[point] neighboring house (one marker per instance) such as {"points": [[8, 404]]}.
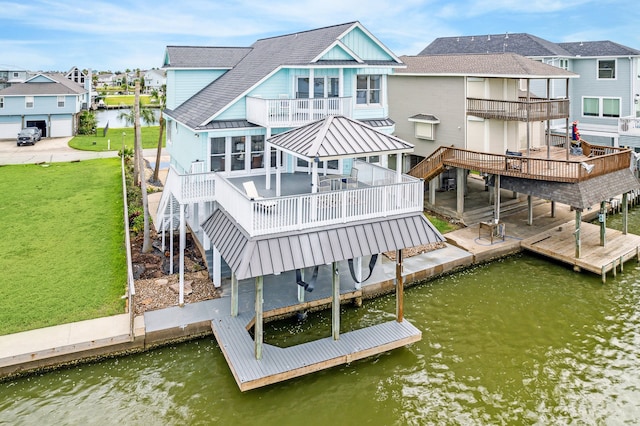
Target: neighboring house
{"points": [[154, 80], [105, 79], [606, 98], [9, 76], [50, 102], [85, 80]]}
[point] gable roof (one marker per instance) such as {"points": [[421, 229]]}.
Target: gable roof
{"points": [[524, 44], [264, 58], [338, 136], [521, 43], [505, 65], [598, 48], [44, 84]]}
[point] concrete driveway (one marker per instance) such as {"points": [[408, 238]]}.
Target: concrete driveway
{"points": [[48, 150]]}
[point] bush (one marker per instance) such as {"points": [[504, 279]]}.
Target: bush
{"points": [[87, 123]]}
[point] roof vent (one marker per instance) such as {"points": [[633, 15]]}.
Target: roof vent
{"points": [[489, 37], [506, 35]]}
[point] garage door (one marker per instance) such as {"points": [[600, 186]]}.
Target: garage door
{"points": [[60, 128], [9, 130]]}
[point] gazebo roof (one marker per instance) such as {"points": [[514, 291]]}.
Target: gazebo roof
{"points": [[338, 137]]}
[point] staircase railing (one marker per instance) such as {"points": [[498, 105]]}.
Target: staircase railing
{"points": [[431, 166]]}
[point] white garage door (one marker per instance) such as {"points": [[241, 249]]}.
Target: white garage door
{"points": [[60, 128], [9, 130]]}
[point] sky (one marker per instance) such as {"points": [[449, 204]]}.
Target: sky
{"points": [[53, 35]]}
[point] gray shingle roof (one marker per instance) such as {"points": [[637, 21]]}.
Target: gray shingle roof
{"points": [[338, 136], [251, 257], [60, 86], [265, 56], [521, 43], [598, 48], [203, 57], [485, 65]]}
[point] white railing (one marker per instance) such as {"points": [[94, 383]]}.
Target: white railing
{"points": [[629, 126], [191, 188], [298, 212], [294, 112]]}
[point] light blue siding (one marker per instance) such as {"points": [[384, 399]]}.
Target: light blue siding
{"points": [[364, 46], [336, 54], [41, 105], [186, 83]]}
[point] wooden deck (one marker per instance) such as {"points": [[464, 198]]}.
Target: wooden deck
{"points": [[559, 243], [279, 364]]}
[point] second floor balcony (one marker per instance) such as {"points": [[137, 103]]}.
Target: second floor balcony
{"points": [[534, 109], [377, 194], [285, 112]]}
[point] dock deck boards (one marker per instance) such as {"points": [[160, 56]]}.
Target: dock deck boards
{"points": [[559, 243], [279, 364]]}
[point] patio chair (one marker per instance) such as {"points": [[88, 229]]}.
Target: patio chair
{"points": [[252, 193], [352, 180]]}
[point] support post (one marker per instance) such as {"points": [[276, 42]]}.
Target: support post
{"points": [[357, 268], [301, 290], [335, 303], [433, 184], [460, 183], [257, 327], [530, 210], [602, 218], [399, 287], [171, 235], [216, 267], [234, 295], [625, 213], [183, 241], [553, 209], [577, 232], [496, 189]]}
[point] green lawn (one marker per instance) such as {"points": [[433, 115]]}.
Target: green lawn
{"points": [[126, 100], [63, 251], [441, 224], [101, 143]]}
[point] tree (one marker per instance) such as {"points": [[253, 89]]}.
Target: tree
{"points": [[129, 117], [161, 97], [87, 123], [146, 244]]}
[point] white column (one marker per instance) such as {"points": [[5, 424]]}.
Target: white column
{"points": [[267, 159], [171, 237], [257, 328], [357, 267], [300, 288], [183, 237], [335, 304], [217, 267], [234, 295]]}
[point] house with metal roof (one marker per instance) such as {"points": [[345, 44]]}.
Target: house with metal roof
{"points": [[282, 160], [606, 98], [50, 102]]}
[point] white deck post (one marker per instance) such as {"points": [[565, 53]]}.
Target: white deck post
{"points": [[257, 328], [234, 295], [357, 266], [335, 304], [399, 287], [460, 187], [217, 267], [577, 232], [496, 198], [625, 213], [300, 288], [183, 238], [267, 160], [171, 237]]}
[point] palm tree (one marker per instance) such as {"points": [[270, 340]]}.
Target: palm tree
{"points": [[161, 97], [129, 117], [146, 244]]}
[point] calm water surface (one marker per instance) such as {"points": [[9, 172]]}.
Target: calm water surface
{"points": [[518, 341]]}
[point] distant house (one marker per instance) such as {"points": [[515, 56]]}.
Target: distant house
{"points": [[50, 102], [154, 80], [606, 98], [8, 76], [105, 79]]}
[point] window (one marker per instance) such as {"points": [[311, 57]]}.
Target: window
{"points": [[16, 75], [237, 153], [217, 154], [60, 101], [368, 89], [257, 152], [564, 64], [1, 102], [606, 68], [601, 107], [425, 126], [28, 101], [323, 87]]}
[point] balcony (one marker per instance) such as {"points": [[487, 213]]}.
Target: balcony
{"points": [[629, 126], [377, 195], [522, 110], [294, 112]]}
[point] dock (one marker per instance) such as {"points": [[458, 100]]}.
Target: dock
{"points": [[559, 244]]}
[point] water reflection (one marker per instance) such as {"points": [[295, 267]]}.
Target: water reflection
{"points": [[518, 341], [111, 116]]}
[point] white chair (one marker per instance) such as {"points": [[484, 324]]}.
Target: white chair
{"points": [[252, 193], [352, 180]]}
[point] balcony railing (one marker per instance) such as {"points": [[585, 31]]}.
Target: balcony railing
{"points": [[629, 126], [310, 210], [192, 187], [294, 112], [521, 110]]}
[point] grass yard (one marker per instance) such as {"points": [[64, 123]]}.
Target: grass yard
{"points": [[129, 100], [442, 224], [86, 143], [63, 250]]}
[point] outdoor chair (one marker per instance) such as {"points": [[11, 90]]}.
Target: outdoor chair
{"points": [[352, 180], [252, 193]]}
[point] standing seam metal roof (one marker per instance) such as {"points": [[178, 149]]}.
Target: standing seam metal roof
{"points": [[273, 254]]}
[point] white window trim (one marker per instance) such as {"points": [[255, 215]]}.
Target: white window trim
{"points": [[1, 102], [26, 102], [63, 101], [600, 105], [615, 69], [383, 82], [419, 121]]}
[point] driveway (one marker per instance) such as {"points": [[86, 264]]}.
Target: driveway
{"points": [[51, 150]]}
